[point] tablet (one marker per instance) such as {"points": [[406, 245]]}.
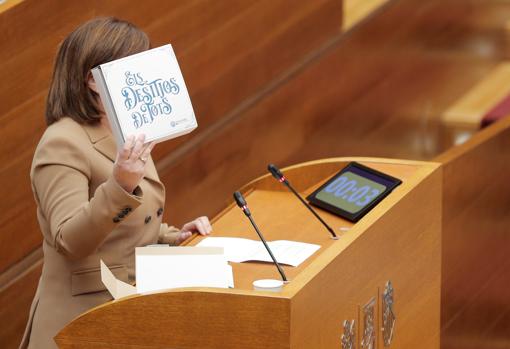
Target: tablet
{"points": [[353, 191]]}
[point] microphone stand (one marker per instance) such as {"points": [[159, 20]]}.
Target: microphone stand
{"points": [[281, 178], [280, 270], [241, 202]]}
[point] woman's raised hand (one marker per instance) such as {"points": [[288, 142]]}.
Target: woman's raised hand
{"points": [[129, 166]]}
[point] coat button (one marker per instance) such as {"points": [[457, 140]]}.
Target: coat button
{"points": [[160, 211], [116, 219], [147, 219]]}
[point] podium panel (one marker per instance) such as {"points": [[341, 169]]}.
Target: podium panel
{"points": [[378, 284]]}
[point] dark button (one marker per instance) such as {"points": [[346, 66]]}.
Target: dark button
{"points": [[125, 211], [160, 211], [147, 219], [121, 214], [129, 209], [116, 219]]}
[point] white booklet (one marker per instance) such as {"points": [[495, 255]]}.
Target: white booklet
{"points": [[145, 93], [242, 250]]}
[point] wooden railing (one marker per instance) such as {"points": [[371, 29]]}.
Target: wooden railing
{"points": [[7, 4], [356, 11], [464, 117]]}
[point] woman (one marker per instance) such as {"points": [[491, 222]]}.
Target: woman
{"points": [[93, 201]]}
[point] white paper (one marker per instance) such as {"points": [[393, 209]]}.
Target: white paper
{"points": [[242, 250], [117, 288], [159, 268]]}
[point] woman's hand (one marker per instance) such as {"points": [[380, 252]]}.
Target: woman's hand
{"points": [[200, 225], [129, 167]]}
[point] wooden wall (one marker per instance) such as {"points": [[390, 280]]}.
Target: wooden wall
{"points": [[271, 81], [476, 241]]}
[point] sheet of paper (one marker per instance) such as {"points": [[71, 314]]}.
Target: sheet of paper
{"points": [[159, 268], [291, 252], [117, 288], [236, 249], [242, 250]]}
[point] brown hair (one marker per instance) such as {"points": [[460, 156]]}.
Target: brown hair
{"points": [[95, 42]]}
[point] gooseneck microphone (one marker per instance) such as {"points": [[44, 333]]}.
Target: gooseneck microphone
{"points": [[241, 202], [275, 171]]}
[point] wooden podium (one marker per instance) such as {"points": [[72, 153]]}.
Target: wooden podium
{"points": [[398, 241]]}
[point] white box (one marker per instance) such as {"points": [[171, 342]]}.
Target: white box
{"points": [[164, 267], [145, 93]]}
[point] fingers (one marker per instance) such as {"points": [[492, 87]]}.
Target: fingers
{"points": [[129, 168], [134, 149], [200, 225], [126, 149], [183, 236], [206, 224], [146, 152], [137, 149]]}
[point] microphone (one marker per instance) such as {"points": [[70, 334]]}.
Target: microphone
{"points": [[275, 171], [241, 202]]}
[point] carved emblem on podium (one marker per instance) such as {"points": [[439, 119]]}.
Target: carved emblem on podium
{"points": [[368, 336], [349, 335], [388, 316]]}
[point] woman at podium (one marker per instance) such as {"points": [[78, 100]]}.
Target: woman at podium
{"points": [[94, 201]]}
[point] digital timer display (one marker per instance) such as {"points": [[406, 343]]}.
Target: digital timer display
{"points": [[354, 191], [351, 192]]}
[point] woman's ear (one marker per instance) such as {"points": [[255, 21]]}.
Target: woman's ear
{"points": [[91, 83]]}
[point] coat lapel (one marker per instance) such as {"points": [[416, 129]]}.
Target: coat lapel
{"points": [[103, 141]]}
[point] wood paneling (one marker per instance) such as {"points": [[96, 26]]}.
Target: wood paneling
{"points": [[15, 300], [476, 221], [354, 97], [236, 63], [208, 314]]}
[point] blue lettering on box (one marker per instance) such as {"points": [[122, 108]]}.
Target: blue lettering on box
{"points": [[147, 99]]}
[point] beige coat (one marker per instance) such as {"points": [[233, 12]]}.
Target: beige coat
{"points": [[85, 216]]}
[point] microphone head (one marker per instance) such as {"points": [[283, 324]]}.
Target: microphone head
{"points": [[239, 198], [275, 171]]}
